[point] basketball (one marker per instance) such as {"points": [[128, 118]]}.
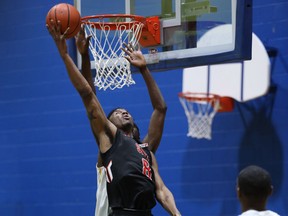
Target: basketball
{"points": [[68, 16]]}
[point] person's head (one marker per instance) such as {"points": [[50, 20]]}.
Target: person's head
{"points": [[122, 119], [254, 186]]}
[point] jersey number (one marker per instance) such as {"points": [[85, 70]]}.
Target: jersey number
{"points": [[146, 170]]}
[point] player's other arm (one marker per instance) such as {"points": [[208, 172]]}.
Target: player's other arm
{"points": [[157, 119], [82, 43], [163, 194], [156, 125]]}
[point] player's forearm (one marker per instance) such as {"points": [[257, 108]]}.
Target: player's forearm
{"points": [[166, 199], [155, 94], [171, 208], [156, 124], [86, 70], [78, 81], [93, 107]]}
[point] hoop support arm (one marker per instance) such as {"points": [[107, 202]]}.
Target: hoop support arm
{"points": [[151, 35]]}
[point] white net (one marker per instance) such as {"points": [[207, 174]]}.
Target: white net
{"points": [[112, 69], [200, 110]]}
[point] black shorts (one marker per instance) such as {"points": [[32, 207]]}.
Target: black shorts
{"points": [[130, 212]]}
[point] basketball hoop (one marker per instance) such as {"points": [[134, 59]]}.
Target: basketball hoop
{"points": [[200, 109], [109, 32]]}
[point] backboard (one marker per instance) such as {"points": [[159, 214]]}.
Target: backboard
{"points": [[183, 23], [243, 81]]}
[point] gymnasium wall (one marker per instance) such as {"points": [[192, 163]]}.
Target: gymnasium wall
{"points": [[48, 153]]}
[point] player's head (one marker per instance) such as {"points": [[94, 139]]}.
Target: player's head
{"points": [[121, 118], [254, 184]]}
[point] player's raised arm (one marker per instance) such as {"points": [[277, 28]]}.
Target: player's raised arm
{"points": [[157, 119], [101, 126], [82, 43], [156, 125]]}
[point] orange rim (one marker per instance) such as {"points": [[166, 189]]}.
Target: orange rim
{"points": [[198, 96], [113, 25], [226, 103]]}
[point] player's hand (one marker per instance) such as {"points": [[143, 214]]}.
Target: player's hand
{"points": [[134, 56], [60, 39], [82, 42]]}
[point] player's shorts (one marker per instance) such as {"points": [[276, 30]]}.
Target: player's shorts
{"points": [[129, 212], [102, 205]]}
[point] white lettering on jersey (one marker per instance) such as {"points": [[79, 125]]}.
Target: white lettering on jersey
{"points": [[143, 145], [109, 175]]}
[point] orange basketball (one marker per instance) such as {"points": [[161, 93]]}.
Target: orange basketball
{"points": [[68, 15]]}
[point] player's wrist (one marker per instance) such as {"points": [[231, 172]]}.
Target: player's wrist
{"points": [[85, 55], [143, 68], [177, 213], [64, 55]]}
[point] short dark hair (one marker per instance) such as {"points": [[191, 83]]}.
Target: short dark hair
{"points": [[255, 182]]}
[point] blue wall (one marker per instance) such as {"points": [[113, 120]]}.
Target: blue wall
{"points": [[48, 154]]}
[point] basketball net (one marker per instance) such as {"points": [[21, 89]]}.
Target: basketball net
{"points": [[112, 69], [200, 110]]}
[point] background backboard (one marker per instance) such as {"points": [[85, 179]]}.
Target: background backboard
{"points": [[243, 81], [183, 23]]}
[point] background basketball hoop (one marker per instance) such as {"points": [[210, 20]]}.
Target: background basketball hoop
{"points": [[109, 32], [200, 109]]}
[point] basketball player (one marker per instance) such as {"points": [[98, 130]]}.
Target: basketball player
{"points": [[131, 169], [156, 122], [254, 186]]}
